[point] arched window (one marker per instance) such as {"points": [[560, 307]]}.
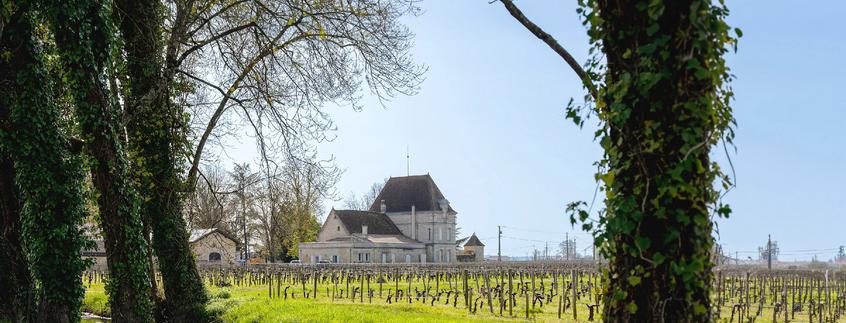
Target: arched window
{"points": [[214, 256]]}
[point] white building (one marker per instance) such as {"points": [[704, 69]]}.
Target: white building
{"points": [[213, 247], [409, 222]]}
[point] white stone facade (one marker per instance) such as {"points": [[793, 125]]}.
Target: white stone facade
{"points": [[436, 229], [214, 248]]}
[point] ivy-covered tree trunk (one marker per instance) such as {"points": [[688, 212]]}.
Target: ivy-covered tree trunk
{"points": [[664, 104], [47, 175], [16, 287], [83, 37], [157, 132]]}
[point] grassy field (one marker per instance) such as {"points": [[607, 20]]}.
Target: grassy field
{"points": [[287, 294], [252, 304]]}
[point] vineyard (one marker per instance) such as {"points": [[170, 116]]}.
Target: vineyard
{"points": [[544, 291]]}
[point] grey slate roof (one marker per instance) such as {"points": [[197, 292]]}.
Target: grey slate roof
{"points": [[400, 193], [377, 223], [474, 241]]}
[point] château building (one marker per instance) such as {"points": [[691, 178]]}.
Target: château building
{"points": [[409, 222]]}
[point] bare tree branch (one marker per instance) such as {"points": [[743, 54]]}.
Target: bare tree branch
{"points": [[552, 43]]}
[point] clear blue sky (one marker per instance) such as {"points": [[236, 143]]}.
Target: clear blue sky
{"points": [[488, 125]]}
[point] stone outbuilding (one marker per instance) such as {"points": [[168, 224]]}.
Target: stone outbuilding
{"points": [[210, 247], [213, 247], [473, 250]]}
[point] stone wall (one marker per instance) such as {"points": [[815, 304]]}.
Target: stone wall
{"points": [[332, 228]]}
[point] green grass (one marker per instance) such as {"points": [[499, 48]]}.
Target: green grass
{"points": [[96, 301], [251, 304], [267, 310]]}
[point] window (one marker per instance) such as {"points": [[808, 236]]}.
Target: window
{"points": [[449, 256], [339, 228], [335, 259], [438, 255], [316, 259], [439, 234], [408, 259], [214, 257], [430, 234], [384, 258], [422, 259], [363, 257]]}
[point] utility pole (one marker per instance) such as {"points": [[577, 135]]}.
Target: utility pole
{"points": [[573, 247], [769, 252], [737, 258], [499, 244], [546, 252], [567, 246]]}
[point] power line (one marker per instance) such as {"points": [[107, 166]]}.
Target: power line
{"points": [[585, 236], [786, 251], [529, 240]]}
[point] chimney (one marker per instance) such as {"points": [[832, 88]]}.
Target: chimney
{"points": [[364, 229], [383, 207], [413, 222]]}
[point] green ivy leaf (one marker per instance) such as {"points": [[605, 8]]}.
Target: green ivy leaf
{"points": [[634, 280], [632, 308]]}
